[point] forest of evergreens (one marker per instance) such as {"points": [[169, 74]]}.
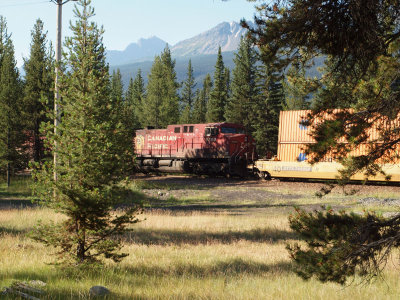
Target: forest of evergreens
{"points": [[98, 118], [251, 94]]}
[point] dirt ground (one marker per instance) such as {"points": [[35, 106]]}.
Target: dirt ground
{"points": [[258, 196]]}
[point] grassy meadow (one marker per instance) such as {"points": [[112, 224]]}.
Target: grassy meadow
{"points": [[202, 239]]}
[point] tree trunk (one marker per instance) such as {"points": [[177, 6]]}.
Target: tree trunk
{"points": [[37, 145], [8, 162], [8, 174], [80, 250]]}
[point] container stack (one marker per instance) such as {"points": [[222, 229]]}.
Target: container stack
{"points": [[294, 137]]}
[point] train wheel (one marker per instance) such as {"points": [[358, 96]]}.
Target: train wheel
{"points": [[266, 176]]}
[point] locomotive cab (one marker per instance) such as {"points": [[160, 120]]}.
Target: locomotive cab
{"points": [[211, 131], [213, 148]]}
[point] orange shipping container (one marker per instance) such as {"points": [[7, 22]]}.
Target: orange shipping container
{"points": [[296, 152], [291, 129], [294, 136]]}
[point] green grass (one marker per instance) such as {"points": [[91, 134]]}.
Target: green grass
{"points": [[20, 187]]}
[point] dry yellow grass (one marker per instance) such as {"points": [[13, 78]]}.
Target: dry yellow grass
{"points": [[181, 256], [184, 254]]}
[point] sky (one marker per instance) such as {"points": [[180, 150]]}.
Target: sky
{"points": [[124, 21]]}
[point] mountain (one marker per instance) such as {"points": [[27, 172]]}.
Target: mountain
{"points": [[227, 35], [202, 64], [142, 50], [202, 49]]}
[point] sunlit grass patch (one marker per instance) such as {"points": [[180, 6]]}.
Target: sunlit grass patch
{"points": [[190, 245]]}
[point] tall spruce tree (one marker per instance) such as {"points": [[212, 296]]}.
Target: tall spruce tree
{"points": [[201, 99], [245, 91], [135, 95], [38, 88], [188, 95], [11, 133], [219, 94], [117, 87], [361, 40], [227, 77], [155, 95], [267, 109], [94, 153], [298, 86], [161, 105], [170, 104]]}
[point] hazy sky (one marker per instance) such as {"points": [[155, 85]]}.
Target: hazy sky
{"points": [[125, 21]]}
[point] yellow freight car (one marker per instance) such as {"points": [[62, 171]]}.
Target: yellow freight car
{"points": [[291, 160]]}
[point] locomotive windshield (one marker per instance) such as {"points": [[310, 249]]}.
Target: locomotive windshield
{"points": [[211, 131], [232, 130]]}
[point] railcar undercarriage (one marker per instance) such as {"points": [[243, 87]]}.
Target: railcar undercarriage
{"points": [[223, 167]]}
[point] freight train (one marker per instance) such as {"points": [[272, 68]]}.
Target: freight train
{"points": [[226, 149], [212, 148], [291, 160]]}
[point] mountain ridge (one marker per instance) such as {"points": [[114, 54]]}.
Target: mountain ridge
{"points": [[225, 34]]}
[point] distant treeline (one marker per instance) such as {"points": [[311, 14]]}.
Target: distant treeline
{"points": [[249, 93]]}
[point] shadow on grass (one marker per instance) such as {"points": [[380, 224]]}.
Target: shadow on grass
{"points": [[230, 267], [13, 231], [140, 275], [180, 237], [13, 194], [162, 205], [191, 182], [17, 203]]}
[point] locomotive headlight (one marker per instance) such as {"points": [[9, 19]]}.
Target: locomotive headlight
{"points": [[245, 138]]}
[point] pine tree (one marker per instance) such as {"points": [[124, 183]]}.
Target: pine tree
{"points": [[117, 88], [188, 96], [135, 96], [267, 109], [38, 89], [298, 87], [11, 133], [219, 94], [170, 105], [227, 77], [94, 153], [360, 38], [155, 93], [161, 105], [201, 100], [245, 90]]}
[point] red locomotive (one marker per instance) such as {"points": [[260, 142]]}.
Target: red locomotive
{"points": [[213, 148]]}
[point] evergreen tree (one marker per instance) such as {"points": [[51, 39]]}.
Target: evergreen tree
{"points": [[117, 88], [227, 77], [38, 89], [161, 105], [94, 152], [135, 96], [297, 88], [361, 40], [245, 91], [201, 100], [219, 94], [267, 109], [11, 133], [188, 96], [155, 95], [170, 105]]}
